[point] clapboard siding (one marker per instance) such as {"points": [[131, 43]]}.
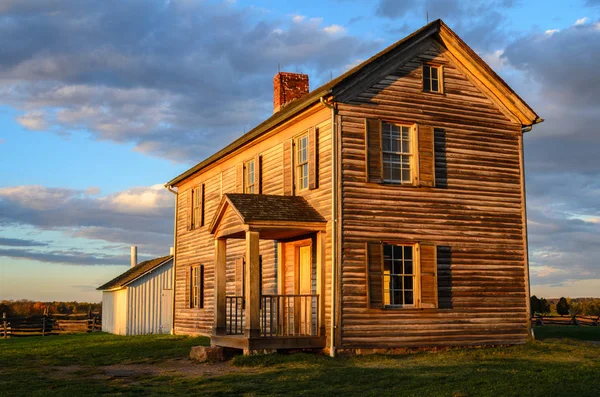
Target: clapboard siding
{"points": [[197, 246], [474, 214]]}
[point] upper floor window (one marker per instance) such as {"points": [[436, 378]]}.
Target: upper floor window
{"points": [[397, 153], [432, 78], [398, 275], [197, 207], [301, 162], [249, 177]]}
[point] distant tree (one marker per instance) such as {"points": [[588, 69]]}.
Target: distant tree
{"points": [[544, 307], [534, 305], [562, 307]]}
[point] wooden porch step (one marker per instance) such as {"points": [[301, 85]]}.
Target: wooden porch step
{"points": [[278, 343]]}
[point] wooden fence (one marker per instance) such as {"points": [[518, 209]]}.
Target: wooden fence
{"points": [[49, 324], [566, 320]]}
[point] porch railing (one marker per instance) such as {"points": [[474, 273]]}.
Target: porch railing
{"points": [[280, 315], [234, 306], [289, 315]]}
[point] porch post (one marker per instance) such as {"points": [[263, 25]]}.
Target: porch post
{"points": [[252, 281], [220, 278], [321, 289]]}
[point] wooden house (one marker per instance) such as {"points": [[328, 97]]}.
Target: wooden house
{"points": [[384, 209], [140, 300]]}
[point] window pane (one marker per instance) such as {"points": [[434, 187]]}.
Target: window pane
{"points": [[387, 172], [434, 85], [386, 144], [434, 73], [426, 72], [408, 253], [408, 297], [408, 282], [406, 176], [396, 297], [395, 174]]}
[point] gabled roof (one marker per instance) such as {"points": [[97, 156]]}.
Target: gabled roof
{"points": [[268, 208], [135, 272], [337, 87]]}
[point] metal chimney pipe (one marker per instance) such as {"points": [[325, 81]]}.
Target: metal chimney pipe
{"points": [[171, 251], [133, 255]]}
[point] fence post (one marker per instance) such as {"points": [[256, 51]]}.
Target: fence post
{"points": [[4, 325], [44, 322]]}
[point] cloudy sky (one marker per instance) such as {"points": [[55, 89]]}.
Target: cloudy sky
{"points": [[102, 102]]}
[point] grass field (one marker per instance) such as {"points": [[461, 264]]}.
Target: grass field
{"points": [[102, 364]]}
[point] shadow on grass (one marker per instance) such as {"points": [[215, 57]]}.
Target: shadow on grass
{"points": [[567, 331]]}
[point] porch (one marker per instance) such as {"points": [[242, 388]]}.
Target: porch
{"points": [[253, 320]]}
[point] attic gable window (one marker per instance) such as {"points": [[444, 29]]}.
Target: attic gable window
{"points": [[432, 78]]}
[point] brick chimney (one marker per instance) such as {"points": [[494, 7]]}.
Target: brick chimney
{"points": [[287, 87]]}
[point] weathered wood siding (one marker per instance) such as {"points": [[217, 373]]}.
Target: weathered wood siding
{"points": [[197, 246], [473, 214]]}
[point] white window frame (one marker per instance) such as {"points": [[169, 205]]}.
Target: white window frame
{"points": [[301, 170], [410, 155], [416, 279], [249, 177]]}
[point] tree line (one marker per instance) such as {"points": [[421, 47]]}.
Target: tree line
{"points": [[26, 308], [565, 306]]}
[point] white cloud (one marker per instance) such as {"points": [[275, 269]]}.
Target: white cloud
{"points": [[550, 32], [495, 59], [140, 200], [334, 29], [298, 18], [581, 21], [33, 121], [354, 63]]}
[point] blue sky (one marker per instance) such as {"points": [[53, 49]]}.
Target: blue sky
{"points": [[103, 102]]}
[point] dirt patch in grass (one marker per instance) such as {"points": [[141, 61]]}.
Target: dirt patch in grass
{"points": [[170, 367]]}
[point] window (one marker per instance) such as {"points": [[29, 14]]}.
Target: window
{"points": [[197, 207], [397, 153], [398, 275], [249, 177], [301, 162], [432, 78], [197, 287]]}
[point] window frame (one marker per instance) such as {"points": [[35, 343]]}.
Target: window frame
{"points": [[250, 188], [412, 154], [197, 214], [440, 78], [196, 287], [416, 275], [304, 165]]}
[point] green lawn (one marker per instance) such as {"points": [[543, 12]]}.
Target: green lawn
{"points": [[101, 364]]}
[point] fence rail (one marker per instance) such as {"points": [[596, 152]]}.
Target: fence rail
{"points": [[48, 324], [566, 320]]}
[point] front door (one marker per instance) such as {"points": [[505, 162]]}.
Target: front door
{"points": [[303, 302]]}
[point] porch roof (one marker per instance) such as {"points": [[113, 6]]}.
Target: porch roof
{"points": [[275, 217]]}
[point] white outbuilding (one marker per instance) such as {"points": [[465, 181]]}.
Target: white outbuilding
{"points": [[140, 301]]}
